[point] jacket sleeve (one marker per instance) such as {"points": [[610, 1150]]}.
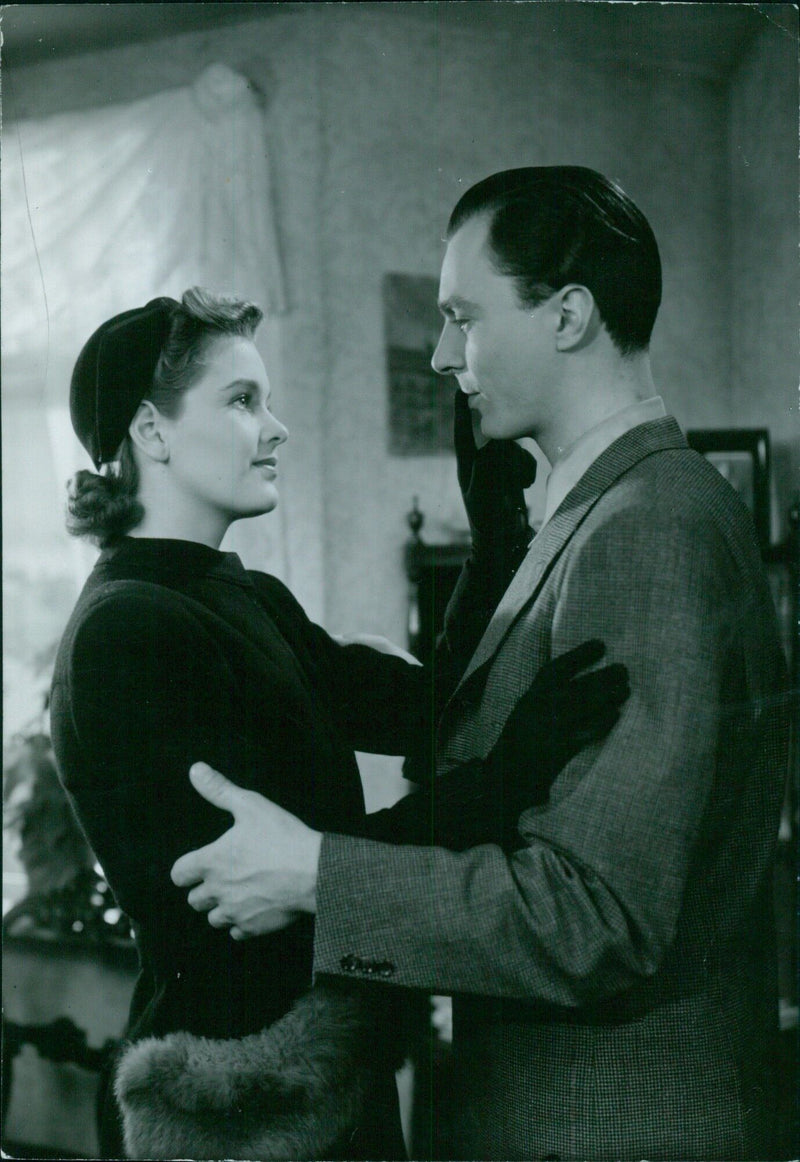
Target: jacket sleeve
{"points": [[384, 702], [393, 707], [590, 905], [381, 701], [387, 705]]}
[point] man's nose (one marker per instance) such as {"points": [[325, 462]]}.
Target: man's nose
{"points": [[448, 358]]}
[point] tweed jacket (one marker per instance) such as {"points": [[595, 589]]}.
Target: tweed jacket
{"points": [[613, 980]]}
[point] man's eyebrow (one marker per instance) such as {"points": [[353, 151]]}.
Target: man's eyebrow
{"points": [[456, 303]]}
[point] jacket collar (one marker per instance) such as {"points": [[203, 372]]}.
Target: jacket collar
{"points": [[634, 446], [168, 561]]}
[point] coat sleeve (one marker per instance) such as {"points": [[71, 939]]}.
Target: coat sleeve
{"points": [[590, 905], [382, 702], [386, 705]]}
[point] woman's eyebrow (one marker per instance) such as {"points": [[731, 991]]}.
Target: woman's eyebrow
{"points": [[238, 384]]}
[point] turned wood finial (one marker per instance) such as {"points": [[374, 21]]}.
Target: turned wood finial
{"points": [[415, 519]]}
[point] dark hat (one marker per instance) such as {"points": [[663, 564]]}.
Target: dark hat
{"points": [[113, 375]]}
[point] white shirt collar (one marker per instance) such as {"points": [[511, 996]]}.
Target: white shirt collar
{"points": [[575, 460]]}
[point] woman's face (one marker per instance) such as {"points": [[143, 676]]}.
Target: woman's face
{"points": [[222, 444]]}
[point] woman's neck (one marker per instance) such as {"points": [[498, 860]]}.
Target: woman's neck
{"points": [[179, 522]]}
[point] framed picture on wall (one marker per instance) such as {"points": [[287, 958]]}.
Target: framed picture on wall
{"points": [[420, 401], [741, 455]]}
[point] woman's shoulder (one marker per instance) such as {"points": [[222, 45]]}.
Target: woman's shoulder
{"points": [[105, 597], [130, 612], [135, 634], [269, 583], [276, 595], [286, 612]]}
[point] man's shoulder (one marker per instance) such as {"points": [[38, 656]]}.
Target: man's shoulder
{"points": [[675, 483], [651, 467], [673, 506]]}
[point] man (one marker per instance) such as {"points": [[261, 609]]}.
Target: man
{"points": [[613, 977]]}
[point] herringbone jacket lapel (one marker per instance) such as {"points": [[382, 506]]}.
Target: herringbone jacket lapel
{"points": [[632, 447]]}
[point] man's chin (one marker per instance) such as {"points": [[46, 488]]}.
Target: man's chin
{"points": [[487, 431], [482, 427], [498, 431]]}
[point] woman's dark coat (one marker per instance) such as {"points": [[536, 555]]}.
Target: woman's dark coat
{"points": [[174, 654]]}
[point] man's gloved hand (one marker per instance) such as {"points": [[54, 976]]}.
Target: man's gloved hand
{"points": [[492, 479], [563, 711]]}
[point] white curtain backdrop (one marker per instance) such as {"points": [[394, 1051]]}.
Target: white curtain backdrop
{"points": [[129, 201], [103, 210]]}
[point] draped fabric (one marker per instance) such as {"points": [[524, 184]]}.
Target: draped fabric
{"points": [[103, 210]]}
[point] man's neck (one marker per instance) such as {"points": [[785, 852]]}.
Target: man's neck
{"points": [[594, 392]]}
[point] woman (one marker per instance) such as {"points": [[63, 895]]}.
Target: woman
{"points": [[176, 653]]}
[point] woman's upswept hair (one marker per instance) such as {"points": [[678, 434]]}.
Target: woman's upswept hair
{"points": [[104, 506]]}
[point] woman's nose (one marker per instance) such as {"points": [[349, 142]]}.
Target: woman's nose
{"points": [[448, 358], [273, 431]]}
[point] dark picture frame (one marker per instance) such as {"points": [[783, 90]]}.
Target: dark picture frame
{"points": [[420, 401], [742, 456]]}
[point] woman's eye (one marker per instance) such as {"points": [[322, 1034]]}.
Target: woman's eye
{"points": [[462, 324], [242, 401]]}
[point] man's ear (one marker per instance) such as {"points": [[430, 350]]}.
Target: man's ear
{"points": [[578, 319], [147, 432]]}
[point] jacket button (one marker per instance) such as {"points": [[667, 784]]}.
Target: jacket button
{"points": [[350, 963], [384, 968]]}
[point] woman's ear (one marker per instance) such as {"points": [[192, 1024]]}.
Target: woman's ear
{"points": [[147, 430], [578, 320]]}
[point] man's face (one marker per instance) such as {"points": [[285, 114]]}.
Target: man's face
{"points": [[503, 354]]}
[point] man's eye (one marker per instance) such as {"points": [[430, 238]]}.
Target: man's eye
{"points": [[242, 401], [462, 324]]}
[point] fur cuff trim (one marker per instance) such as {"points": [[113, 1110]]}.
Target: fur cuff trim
{"points": [[288, 1092]]}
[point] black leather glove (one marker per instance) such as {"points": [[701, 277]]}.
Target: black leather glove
{"points": [[492, 481], [563, 711]]}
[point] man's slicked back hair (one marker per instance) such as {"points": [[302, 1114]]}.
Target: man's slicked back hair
{"points": [[550, 226]]}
